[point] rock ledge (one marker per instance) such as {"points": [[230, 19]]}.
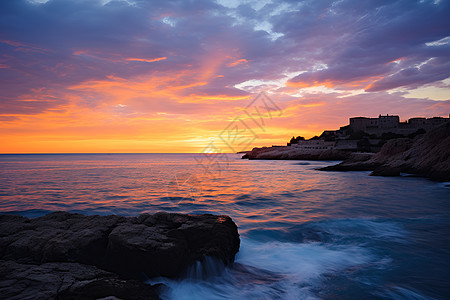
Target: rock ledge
{"points": [[67, 256]]}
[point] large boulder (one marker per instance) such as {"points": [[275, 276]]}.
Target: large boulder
{"points": [[165, 244], [72, 256], [160, 244]]}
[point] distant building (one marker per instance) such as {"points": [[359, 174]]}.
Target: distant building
{"points": [[322, 145], [374, 124], [346, 145], [368, 134], [313, 145], [392, 124]]}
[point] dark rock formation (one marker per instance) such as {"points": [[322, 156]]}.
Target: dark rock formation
{"points": [[67, 281], [386, 171], [164, 244], [294, 153], [83, 251], [427, 155]]}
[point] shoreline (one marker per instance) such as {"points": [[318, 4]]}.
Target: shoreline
{"points": [[293, 153], [426, 155]]}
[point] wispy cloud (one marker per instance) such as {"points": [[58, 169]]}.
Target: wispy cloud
{"points": [[146, 60]]}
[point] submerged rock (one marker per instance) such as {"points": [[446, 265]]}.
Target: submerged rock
{"points": [[94, 246]]}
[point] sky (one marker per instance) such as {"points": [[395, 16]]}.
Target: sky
{"points": [[95, 76]]}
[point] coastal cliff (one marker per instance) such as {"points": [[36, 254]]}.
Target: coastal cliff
{"points": [[72, 256], [361, 135], [427, 155], [288, 152]]}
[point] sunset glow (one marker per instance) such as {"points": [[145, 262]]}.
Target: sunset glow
{"points": [[144, 76]]}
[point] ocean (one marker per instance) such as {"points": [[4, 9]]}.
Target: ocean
{"points": [[305, 234]]}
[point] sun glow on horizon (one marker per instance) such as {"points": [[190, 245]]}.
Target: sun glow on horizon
{"points": [[138, 76]]}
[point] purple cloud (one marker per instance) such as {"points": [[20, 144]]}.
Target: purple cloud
{"points": [[59, 44], [368, 36]]}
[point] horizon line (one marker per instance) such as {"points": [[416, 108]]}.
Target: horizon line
{"points": [[93, 153]]}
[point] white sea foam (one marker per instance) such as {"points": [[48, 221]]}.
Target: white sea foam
{"points": [[272, 270], [401, 293], [444, 184], [306, 261]]}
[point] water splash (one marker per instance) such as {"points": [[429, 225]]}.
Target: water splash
{"points": [[266, 270]]}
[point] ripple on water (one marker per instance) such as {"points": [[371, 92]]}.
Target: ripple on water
{"points": [[305, 233]]}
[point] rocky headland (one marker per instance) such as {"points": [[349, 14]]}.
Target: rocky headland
{"points": [[72, 256], [426, 155], [362, 135], [293, 153]]}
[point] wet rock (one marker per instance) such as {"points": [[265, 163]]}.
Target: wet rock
{"points": [[160, 244], [386, 171], [355, 162], [91, 247], [67, 281], [59, 236], [164, 244]]}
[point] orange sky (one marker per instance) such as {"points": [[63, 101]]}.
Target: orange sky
{"points": [[121, 81], [126, 121]]}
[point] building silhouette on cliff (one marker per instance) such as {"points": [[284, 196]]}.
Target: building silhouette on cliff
{"points": [[368, 134], [392, 124]]}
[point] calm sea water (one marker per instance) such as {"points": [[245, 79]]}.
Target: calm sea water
{"points": [[305, 234]]}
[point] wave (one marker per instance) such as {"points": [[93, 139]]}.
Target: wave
{"points": [[336, 231], [267, 270], [400, 293]]}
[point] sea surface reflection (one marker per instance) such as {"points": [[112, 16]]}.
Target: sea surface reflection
{"points": [[305, 233]]}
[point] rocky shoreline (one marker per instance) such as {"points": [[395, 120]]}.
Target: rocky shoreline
{"points": [[427, 155], [294, 153], [71, 256]]}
